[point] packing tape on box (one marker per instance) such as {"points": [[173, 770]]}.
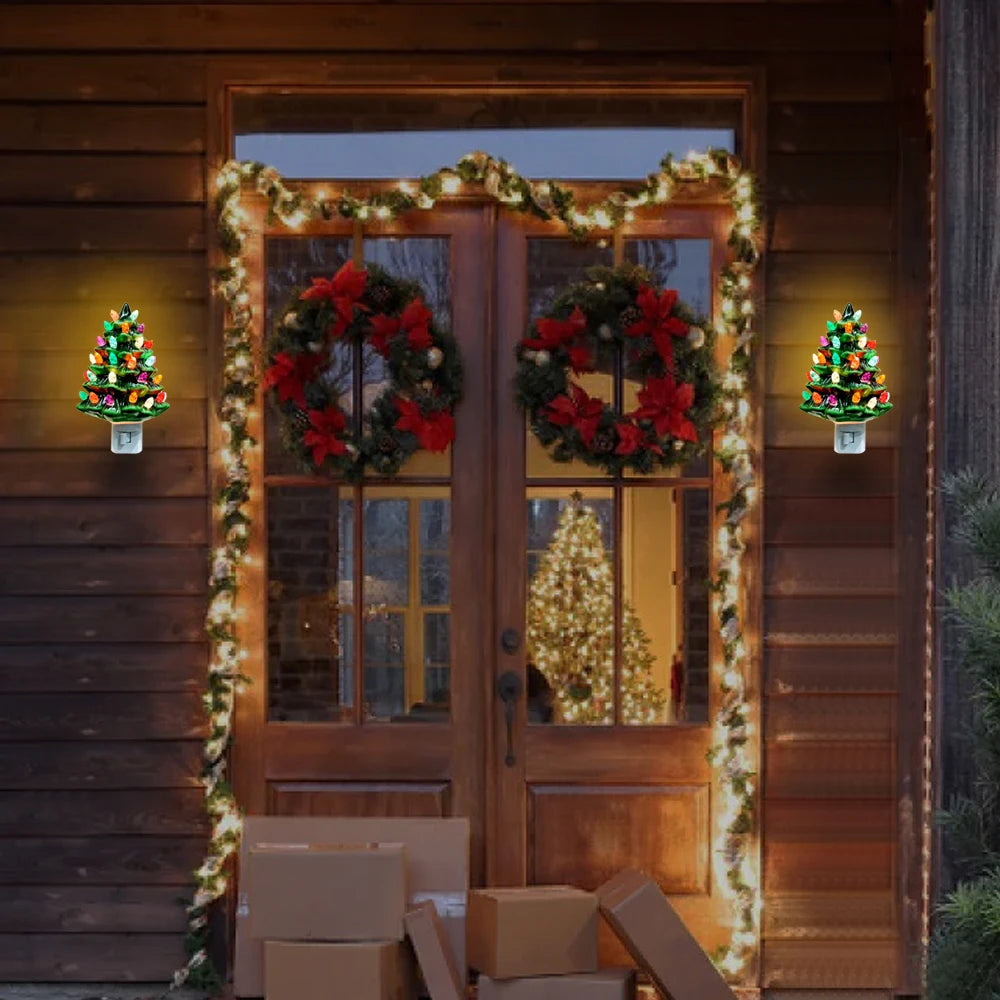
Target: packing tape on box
{"points": [[447, 904]]}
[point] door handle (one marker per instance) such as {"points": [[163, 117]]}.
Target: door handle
{"points": [[509, 688]]}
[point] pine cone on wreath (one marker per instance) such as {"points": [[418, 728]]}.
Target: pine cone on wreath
{"points": [[380, 296], [385, 443], [629, 315], [604, 441]]}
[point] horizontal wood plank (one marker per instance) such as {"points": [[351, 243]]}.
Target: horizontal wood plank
{"points": [[163, 78], [102, 619], [41, 424], [825, 821], [78, 667], [110, 128], [814, 228], [833, 916], [161, 764], [821, 179], [830, 621], [846, 131], [362, 26], [832, 670], [829, 571], [101, 178], [828, 770], [822, 77], [26, 279], [163, 472], [101, 229], [103, 813], [74, 958], [816, 472], [851, 866], [799, 520], [86, 522], [172, 715], [92, 909], [830, 717], [130, 570], [829, 276], [815, 966]]}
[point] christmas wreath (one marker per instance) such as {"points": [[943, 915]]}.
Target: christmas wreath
{"points": [[662, 345], [317, 339]]}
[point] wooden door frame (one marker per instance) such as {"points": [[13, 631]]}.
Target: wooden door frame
{"points": [[466, 74]]}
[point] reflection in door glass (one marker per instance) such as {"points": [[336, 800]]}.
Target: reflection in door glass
{"points": [[309, 638], [570, 613], [407, 584]]}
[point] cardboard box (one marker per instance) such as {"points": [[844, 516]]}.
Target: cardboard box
{"points": [[657, 939], [608, 984], [437, 863], [328, 893], [533, 931], [434, 956], [371, 970]]}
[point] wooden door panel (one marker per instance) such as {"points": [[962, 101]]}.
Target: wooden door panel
{"points": [[359, 798], [585, 834]]}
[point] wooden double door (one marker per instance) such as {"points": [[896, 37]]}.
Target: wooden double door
{"points": [[388, 622]]}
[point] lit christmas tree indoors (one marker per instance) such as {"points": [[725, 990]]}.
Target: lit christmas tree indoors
{"points": [[571, 629]]}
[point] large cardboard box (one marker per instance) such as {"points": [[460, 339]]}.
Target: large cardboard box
{"points": [[328, 893], [533, 931], [608, 984], [437, 863], [437, 965], [657, 939], [371, 970]]}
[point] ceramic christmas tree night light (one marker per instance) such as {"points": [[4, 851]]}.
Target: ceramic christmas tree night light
{"points": [[845, 385], [122, 384]]}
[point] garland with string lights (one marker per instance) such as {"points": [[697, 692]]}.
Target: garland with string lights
{"points": [[732, 747], [618, 312], [423, 374]]}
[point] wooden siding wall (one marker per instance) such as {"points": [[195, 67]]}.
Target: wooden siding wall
{"points": [[103, 119]]}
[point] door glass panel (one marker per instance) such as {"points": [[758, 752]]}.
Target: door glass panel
{"points": [[290, 264], [552, 265], [427, 261], [570, 607], [686, 265], [407, 566], [309, 562]]}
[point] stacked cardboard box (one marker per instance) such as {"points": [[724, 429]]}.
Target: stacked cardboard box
{"points": [[330, 895], [330, 914], [540, 943]]}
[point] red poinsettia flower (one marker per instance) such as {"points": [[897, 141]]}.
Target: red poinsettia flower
{"points": [[554, 332], [289, 373], [664, 403], [323, 437], [433, 433], [415, 320], [581, 358], [381, 330], [630, 438], [343, 291], [569, 409], [657, 321]]}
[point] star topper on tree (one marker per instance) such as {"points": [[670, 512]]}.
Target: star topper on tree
{"points": [[122, 384], [845, 384]]}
